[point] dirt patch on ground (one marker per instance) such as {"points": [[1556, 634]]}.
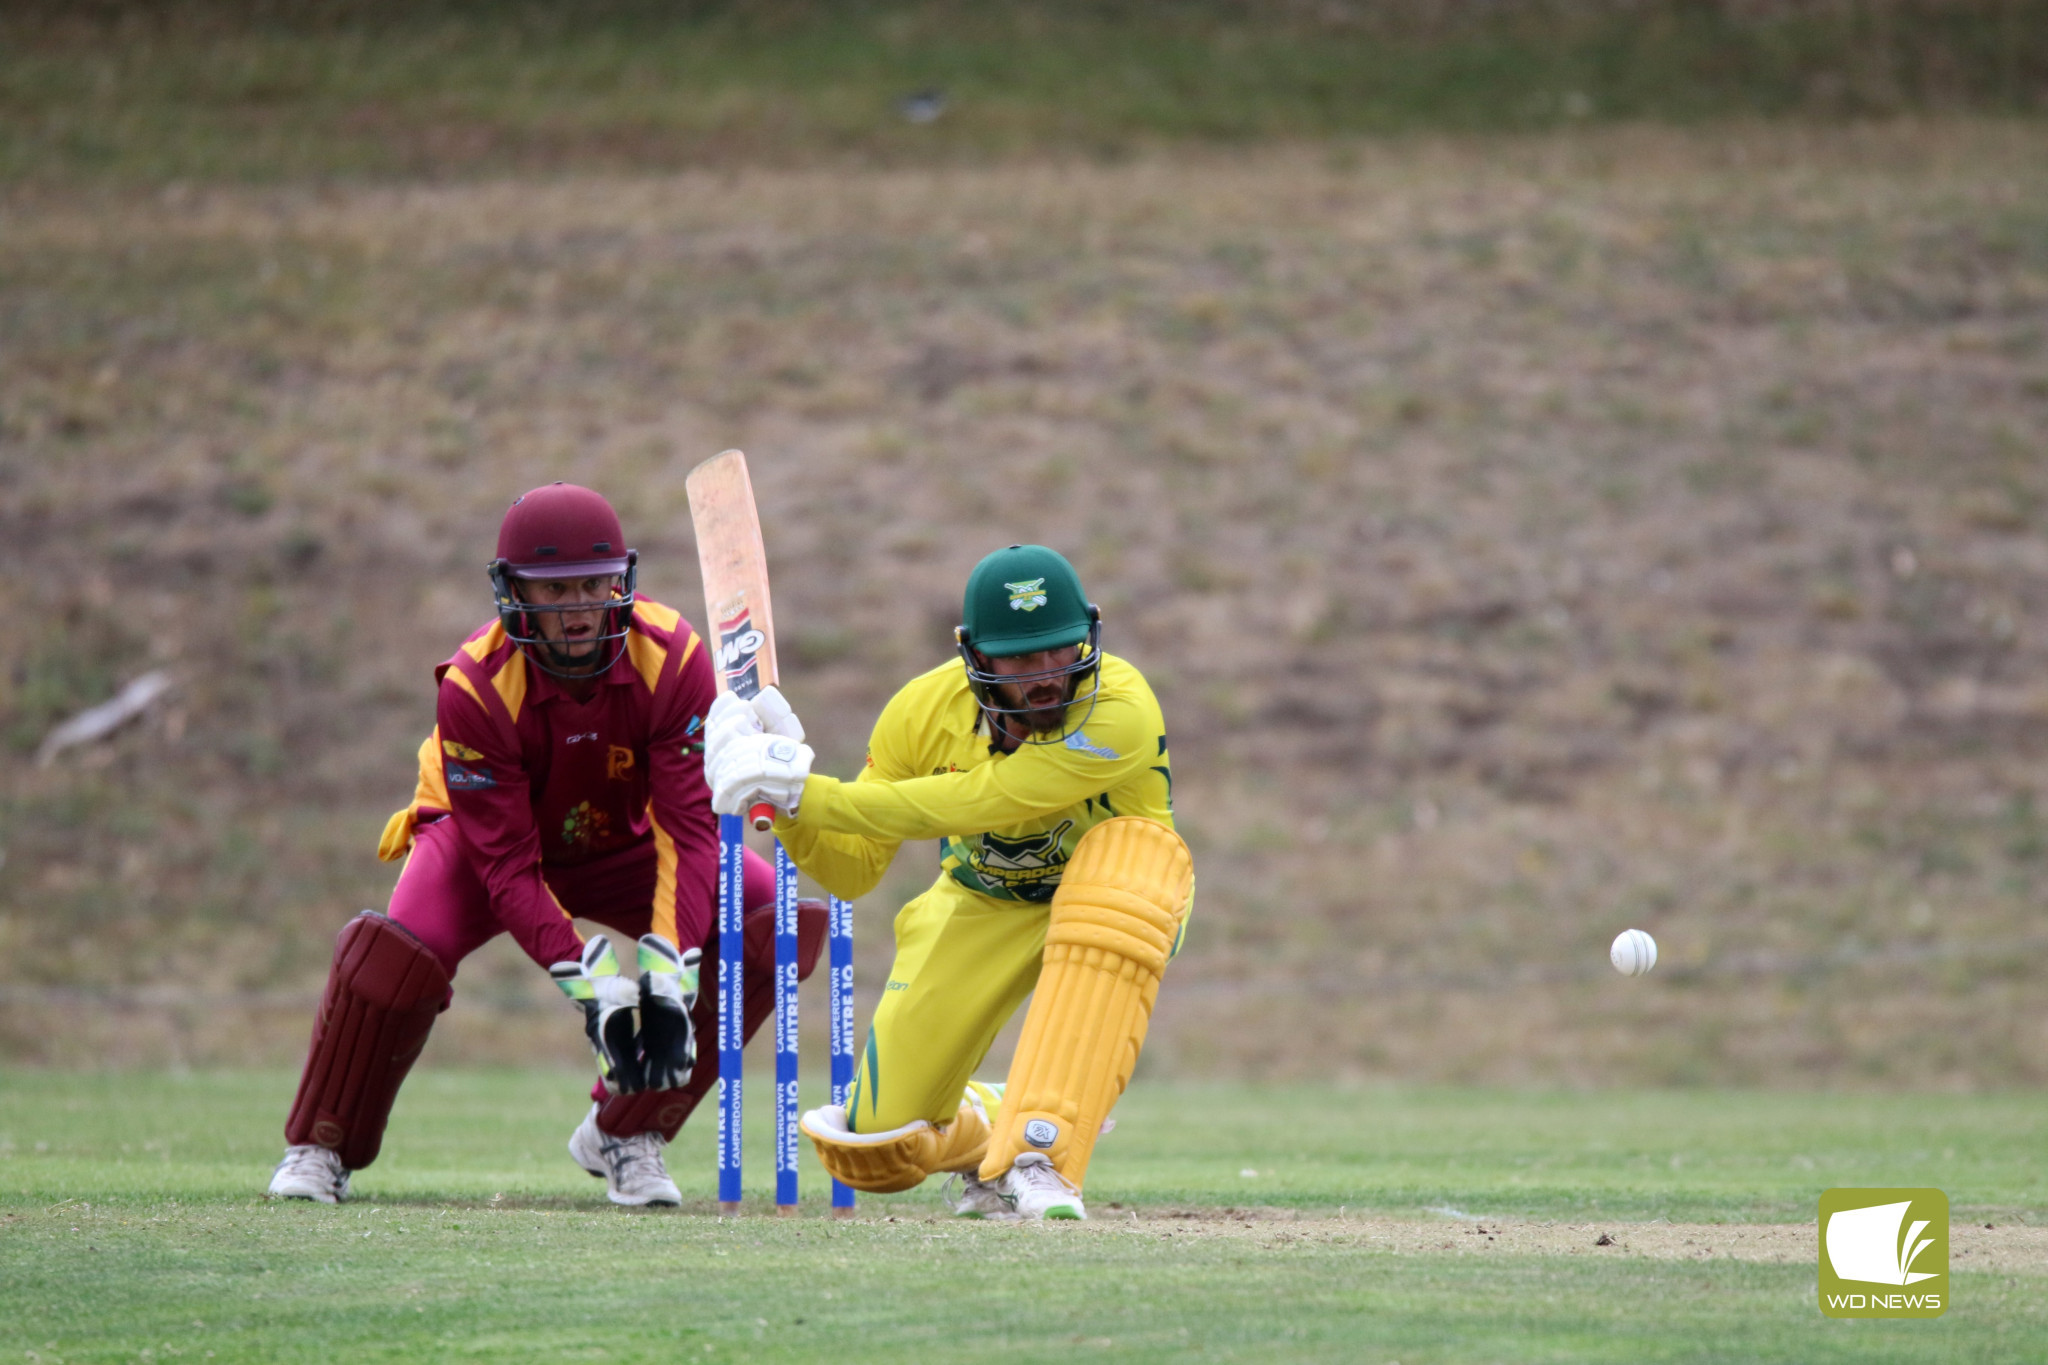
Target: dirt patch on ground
{"points": [[2002, 1247]]}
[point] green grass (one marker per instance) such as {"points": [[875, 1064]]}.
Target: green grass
{"points": [[130, 1228], [235, 89]]}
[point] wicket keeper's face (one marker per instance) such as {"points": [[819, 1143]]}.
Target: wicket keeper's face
{"points": [[571, 633], [1043, 701]]}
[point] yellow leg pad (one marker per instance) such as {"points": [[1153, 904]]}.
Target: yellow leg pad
{"points": [[900, 1159], [1114, 918]]}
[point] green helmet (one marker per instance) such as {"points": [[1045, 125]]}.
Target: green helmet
{"points": [[1020, 600], [1023, 599]]}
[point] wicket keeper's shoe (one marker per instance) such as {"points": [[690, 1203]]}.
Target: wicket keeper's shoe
{"points": [[631, 1167], [978, 1198], [309, 1172], [1036, 1190]]}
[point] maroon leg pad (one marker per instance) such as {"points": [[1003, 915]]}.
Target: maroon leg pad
{"points": [[663, 1111], [382, 995]]}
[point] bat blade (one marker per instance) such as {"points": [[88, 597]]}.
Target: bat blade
{"points": [[734, 564]]}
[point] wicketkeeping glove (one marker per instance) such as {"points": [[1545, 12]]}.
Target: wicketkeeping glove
{"points": [[668, 992], [608, 1001]]}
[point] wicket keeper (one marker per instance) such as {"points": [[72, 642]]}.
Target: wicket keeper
{"points": [[1040, 764], [564, 776]]}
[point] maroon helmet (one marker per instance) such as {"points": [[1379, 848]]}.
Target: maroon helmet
{"points": [[562, 531]]}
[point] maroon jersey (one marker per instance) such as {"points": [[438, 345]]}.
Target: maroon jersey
{"points": [[537, 781]]}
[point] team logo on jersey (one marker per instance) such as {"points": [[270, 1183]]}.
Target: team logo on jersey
{"points": [[618, 762], [1028, 868], [463, 778], [1028, 595], [739, 653], [693, 736], [461, 751], [585, 825], [1033, 854]]}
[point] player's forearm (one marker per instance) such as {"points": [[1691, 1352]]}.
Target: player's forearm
{"points": [[846, 865], [932, 807], [534, 918]]}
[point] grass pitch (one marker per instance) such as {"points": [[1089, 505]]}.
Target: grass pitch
{"points": [[1357, 1224]]}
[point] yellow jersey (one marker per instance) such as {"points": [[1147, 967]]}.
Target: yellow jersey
{"points": [[1007, 823]]}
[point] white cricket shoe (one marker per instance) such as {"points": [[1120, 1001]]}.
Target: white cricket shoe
{"points": [[631, 1167], [309, 1172], [977, 1198], [1035, 1189]]}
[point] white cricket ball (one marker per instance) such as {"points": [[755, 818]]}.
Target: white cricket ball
{"points": [[1634, 952]]}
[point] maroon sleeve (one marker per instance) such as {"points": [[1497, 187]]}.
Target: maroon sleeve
{"points": [[491, 804], [685, 830]]}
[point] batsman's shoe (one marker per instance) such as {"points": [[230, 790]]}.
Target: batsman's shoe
{"points": [[631, 1167], [1035, 1189], [969, 1196], [309, 1172]]}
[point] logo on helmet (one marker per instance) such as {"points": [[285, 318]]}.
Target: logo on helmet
{"points": [[1028, 595], [1041, 1133]]}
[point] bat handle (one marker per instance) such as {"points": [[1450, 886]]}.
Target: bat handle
{"points": [[763, 816]]}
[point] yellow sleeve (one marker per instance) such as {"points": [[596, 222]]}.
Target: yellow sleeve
{"points": [[850, 864], [1037, 780]]}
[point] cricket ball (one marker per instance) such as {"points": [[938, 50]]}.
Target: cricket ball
{"points": [[1634, 952]]}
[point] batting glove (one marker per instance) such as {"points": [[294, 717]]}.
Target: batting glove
{"points": [[731, 717], [755, 768], [777, 716], [607, 1000], [668, 992]]}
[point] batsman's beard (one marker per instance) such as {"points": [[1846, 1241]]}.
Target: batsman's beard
{"points": [[1048, 703]]}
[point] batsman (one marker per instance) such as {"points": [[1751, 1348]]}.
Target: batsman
{"points": [[1040, 764]]}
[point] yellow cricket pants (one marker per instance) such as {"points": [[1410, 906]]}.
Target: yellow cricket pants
{"points": [[964, 963]]}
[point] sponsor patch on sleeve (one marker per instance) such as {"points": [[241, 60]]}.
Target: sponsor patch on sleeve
{"points": [[464, 778], [1080, 742]]}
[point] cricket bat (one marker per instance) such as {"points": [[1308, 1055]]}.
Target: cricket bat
{"points": [[735, 568]]}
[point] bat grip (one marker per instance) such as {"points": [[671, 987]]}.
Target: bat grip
{"points": [[762, 816]]}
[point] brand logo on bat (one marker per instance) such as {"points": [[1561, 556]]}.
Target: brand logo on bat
{"points": [[1040, 1133], [739, 653], [1028, 595]]}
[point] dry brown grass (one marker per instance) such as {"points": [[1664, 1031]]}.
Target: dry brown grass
{"points": [[1529, 538]]}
